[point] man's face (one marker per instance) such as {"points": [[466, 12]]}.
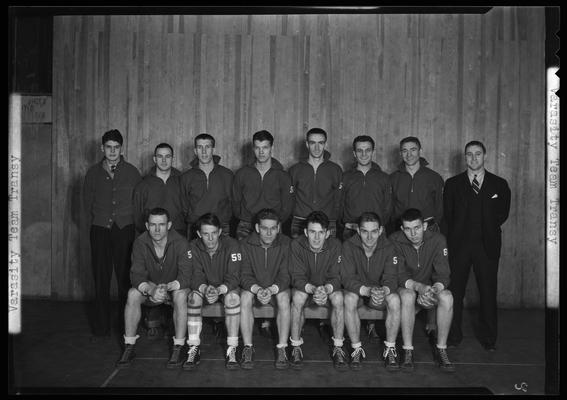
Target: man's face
{"points": [[410, 153], [414, 230], [204, 151], [369, 232], [111, 150], [209, 234], [262, 150], [163, 159], [475, 157], [158, 226], [316, 235], [268, 230], [363, 153], [316, 145]]}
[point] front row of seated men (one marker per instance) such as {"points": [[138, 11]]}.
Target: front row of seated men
{"points": [[402, 274]]}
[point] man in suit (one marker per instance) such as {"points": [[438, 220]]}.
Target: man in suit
{"points": [[476, 204]]}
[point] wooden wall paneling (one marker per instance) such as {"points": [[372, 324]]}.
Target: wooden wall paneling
{"points": [[187, 99], [286, 133]]}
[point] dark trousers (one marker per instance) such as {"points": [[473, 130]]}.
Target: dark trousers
{"points": [[110, 248], [486, 273]]}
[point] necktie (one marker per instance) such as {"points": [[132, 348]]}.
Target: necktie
{"points": [[475, 185]]}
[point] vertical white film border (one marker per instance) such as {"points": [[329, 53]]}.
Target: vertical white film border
{"points": [[552, 189], [14, 215]]}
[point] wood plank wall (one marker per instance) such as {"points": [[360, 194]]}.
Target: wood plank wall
{"points": [[447, 79]]}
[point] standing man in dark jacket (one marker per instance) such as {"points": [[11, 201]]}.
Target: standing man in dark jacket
{"points": [[370, 271], [160, 188], [414, 185], [160, 274], [262, 184], [476, 204], [206, 187], [365, 188], [264, 279], [108, 190], [423, 277], [315, 277], [317, 183]]}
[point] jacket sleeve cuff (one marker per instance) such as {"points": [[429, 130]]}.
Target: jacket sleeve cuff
{"points": [[439, 286], [223, 289], [255, 288], [144, 288]]}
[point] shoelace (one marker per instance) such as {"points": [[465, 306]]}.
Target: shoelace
{"points": [[247, 353], [408, 356], [390, 352], [231, 353], [295, 352], [357, 353], [340, 351], [192, 353], [282, 354], [444, 357]]}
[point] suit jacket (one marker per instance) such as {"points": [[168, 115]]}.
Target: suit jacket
{"points": [[495, 203]]}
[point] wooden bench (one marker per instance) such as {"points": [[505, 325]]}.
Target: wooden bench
{"points": [[311, 312]]}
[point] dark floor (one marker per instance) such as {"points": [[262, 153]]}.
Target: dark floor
{"points": [[54, 354]]}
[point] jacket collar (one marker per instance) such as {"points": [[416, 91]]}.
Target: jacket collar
{"points": [[422, 163], [195, 161]]}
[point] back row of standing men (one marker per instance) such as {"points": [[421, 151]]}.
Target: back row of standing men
{"points": [[475, 204]]}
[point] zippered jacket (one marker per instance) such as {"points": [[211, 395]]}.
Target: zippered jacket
{"points": [[265, 266], [251, 192], [201, 196], [315, 268], [154, 192], [319, 191], [423, 191], [370, 192], [222, 268], [428, 264], [175, 264], [380, 269]]}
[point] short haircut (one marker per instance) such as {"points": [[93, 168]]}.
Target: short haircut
{"points": [[262, 135], [315, 131], [369, 216], [208, 219], [411, 214], [475, 143], [113, 134], [317, 217], [362, 138], [410, 139], [157, 211], [204, 136], [267, 213], [163, 146]]}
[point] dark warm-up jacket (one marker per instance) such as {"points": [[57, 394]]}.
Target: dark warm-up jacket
{"points": [[380, 269], [251, 192], [423, 191], [319, 191], [201, 196], [315, 268], [174, 265], [265, 266], [223, 268], [428, 264], [362, 193], [154, 192]]}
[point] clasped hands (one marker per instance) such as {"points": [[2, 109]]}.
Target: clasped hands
{"points": [[428, 296], [158, 294]]}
